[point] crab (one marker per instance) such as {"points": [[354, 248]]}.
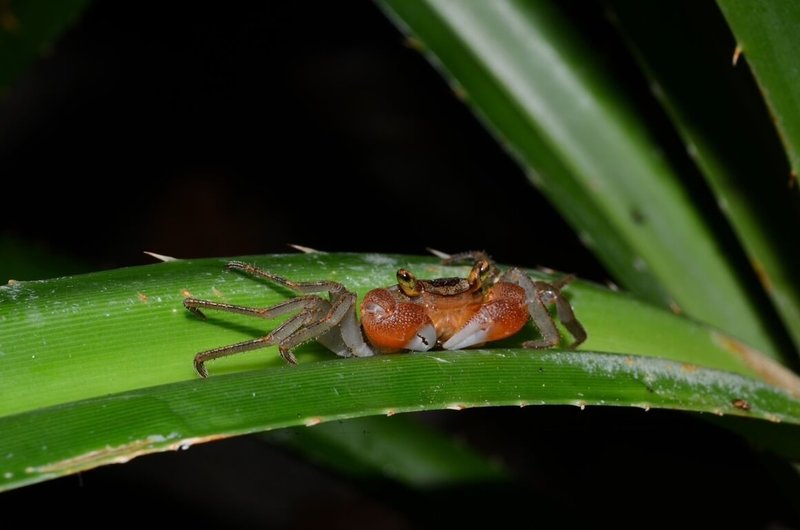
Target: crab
{"points": [[414, 315]]}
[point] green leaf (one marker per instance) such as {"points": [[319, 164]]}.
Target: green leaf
{"points": [[98, 368], [737, 151], [65, 439], [766, 33], [89, 335], [27, 29], [525, 69]]}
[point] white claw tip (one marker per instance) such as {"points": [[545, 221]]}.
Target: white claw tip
{"points": [[470, 335], [423, 340]]}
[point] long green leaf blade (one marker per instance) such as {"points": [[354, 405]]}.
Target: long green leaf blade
{"points": [[766, 32], [697, 85], [84, 336], [116, 349], [68, 438], [531, 76]]}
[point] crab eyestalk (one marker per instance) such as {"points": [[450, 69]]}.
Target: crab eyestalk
{"points": [[408, 283], [481, 275]]}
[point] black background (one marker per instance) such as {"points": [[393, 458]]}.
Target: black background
{"points": [[210, 129], [203, 130]]}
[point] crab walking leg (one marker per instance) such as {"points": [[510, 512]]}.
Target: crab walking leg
{"points": [[473, 256], [567, 317], [565, 312], [299, 303], [342, 313], [299, 287], [278, 335], [538, 294]]}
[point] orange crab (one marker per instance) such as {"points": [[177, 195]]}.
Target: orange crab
{"points": [[415, 315]]}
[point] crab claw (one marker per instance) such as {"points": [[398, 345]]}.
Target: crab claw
{"points": [[391, 325], [503, 315]]}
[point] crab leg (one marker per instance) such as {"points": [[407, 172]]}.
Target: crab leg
{"points": [[538, 294], [277, 336], [299, 287], [299, 303], [565, 313], [473, 256], [567, 317], [342, 313], [469, 255], [333, 323]]}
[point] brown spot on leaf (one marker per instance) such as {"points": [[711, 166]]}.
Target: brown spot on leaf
{"points": [[689, 368], [143, 298], [741, 404], [675, 308], [763, 277]]}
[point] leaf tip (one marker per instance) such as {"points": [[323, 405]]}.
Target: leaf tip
{"points": [[160, 257], [306, 250]]}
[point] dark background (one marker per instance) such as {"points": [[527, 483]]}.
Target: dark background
{"points": [[200, 130], [208, 129]]}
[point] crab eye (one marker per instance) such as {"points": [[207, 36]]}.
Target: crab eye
{"points": [[484, 268], [479, 274], [407, 283]]}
